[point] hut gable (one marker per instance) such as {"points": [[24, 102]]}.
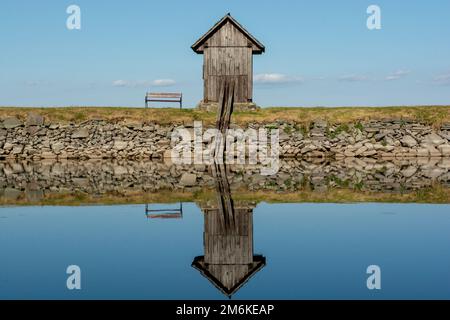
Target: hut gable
{"points": [[229, 278], [228, 33]]}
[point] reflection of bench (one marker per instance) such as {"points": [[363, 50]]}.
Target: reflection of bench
{"points": [[164, 213], [163, 97]]}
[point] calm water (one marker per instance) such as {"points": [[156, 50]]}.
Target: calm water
{"points": [[298, 251]]}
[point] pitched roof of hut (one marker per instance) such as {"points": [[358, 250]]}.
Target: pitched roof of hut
{"points": [[258, 46], [224, 278]]}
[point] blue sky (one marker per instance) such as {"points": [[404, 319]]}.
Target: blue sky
{"points": [[318, 53]]}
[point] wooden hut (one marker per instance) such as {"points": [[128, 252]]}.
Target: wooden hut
{"points": [[229, 261], [228, 51]]}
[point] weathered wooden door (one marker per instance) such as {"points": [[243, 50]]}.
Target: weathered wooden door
{"points": [[225, 63]]}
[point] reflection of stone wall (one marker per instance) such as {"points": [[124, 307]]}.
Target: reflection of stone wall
{"points": [[97, 139], [99, 177]]}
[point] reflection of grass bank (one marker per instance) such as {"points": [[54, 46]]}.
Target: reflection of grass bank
{"points": [[427, 114], [436, 194]]}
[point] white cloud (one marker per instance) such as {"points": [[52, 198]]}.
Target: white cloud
{"points": [[144, 84], [353, 78], [397, 75], [276, 78], [163, 82], [442, 79], [121, 83]]}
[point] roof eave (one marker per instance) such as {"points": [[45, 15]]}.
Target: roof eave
{"points": [[195, 47], [256, 52]]}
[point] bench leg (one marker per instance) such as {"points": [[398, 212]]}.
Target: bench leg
{"points": [[146, 104]]}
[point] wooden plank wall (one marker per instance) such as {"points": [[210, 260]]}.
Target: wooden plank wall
{"points": [[225, 245]]}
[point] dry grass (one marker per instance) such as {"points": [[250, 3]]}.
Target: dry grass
{"points": [[436, 194], [434, 115]]}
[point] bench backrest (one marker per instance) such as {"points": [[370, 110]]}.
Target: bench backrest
{"points": [[160, 95]]}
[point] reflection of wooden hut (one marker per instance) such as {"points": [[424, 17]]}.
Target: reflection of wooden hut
{"points": [[228, 246], [228, 51]]}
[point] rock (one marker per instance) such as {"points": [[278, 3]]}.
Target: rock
{"points": [[370, 153], [167, 154], [433, 173], [34, 195], [369, 146], [433, 151], [81, 182], [57, 147], [18, 149], [34, 119], [379, 136], [408, 141], [283, 137], [57, 170], [80, 133], [409, 172], [120, 145], [360, 150], [445, 164], [349, 153], [188, 180], [11, 123], [319, 123], [8, 146], [48, 155], [32, 130], [378, 146], [200, 167], [12, 194], [308, 148], [41, 132], [444, 149], [120, 170], [434, 139], [423, 152]]}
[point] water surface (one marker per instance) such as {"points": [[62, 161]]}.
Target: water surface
{"points": [[309, 251]]}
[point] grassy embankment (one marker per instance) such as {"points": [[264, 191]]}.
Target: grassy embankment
{"points": [[434, 115], [435, 194]]}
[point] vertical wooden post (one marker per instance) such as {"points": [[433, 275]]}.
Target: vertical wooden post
{"points": [[225, 203], [224, 111]]}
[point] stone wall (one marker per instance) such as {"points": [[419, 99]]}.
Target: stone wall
{"points": [[35, 139]]}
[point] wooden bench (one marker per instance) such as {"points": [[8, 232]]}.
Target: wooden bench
{"points": [[163, 97], [176, 213]]}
